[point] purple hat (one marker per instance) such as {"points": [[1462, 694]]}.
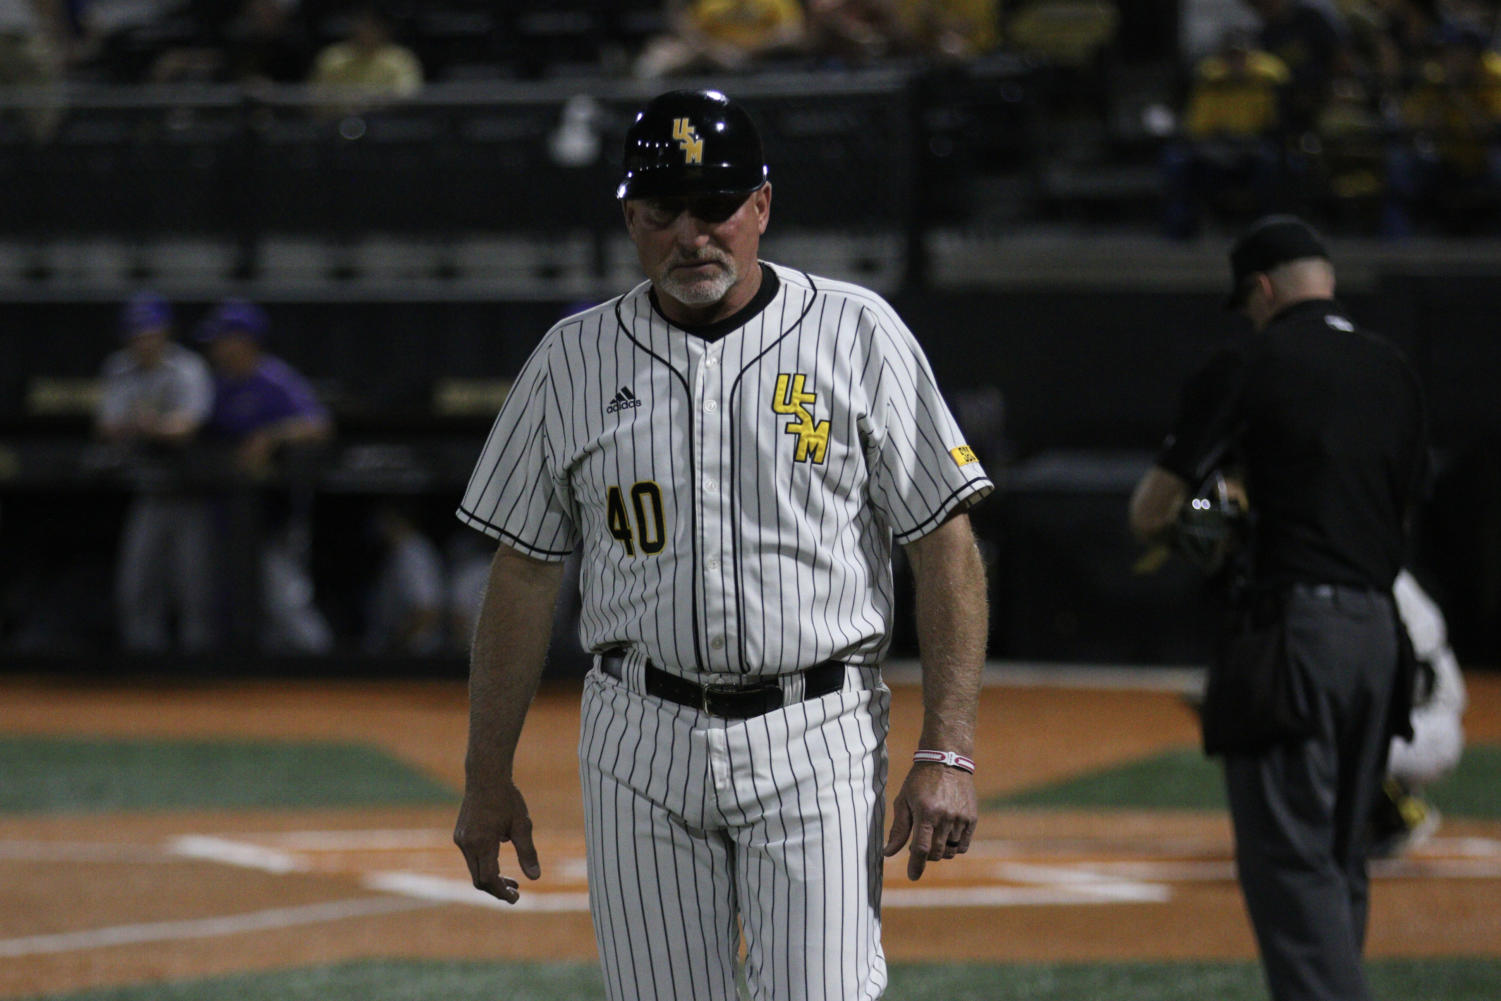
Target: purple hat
{"points": [[145, 311], [234, 315]]}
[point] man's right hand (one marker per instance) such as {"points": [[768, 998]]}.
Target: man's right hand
{"points": [[487, 818]]}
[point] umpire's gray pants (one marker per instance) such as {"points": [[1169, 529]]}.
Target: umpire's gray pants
{"points": [[1300, 810]]}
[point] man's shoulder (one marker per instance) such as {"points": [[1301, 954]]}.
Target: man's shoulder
{"points": [[118, 365], [1309, 315], [587, 323], [186, 360], [1328, 316], [276, 368], [802, 283], [1332, 338], [582, 316], [275, 374]]}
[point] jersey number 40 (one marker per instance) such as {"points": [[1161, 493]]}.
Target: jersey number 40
{"points": [[646, 501]]}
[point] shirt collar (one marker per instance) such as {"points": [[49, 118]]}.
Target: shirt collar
{"points": [[770, 284]]}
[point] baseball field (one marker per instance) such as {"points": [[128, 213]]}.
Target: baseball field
{"points": [[258, 840]]}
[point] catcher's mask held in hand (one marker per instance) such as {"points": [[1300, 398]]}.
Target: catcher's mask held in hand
{"points": [[1211, 525]]}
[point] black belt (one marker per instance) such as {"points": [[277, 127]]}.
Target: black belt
{"points": [[729, 701]]}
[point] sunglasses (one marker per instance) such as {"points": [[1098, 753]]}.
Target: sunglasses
{"points": [[660, 212]]}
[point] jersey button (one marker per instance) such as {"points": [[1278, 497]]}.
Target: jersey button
{"points": [[717, 643], [712, 564], [710, 406], [711, 486], [711, 361]]}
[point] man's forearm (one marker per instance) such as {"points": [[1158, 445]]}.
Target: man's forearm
{"points": [[506, 661], [952, 627], [1155, 503], [295, 430]]}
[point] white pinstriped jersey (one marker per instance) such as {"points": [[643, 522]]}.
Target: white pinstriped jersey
{"points": [[736, 498]]}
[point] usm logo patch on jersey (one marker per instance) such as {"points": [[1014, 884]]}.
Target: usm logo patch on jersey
{"points": [[688, 140], [790, 400], [963, 455]]}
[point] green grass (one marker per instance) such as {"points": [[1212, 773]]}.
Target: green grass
{"points": [[1429, 979], [1186, 780], [1474, 790], [1172, 780], [89, 775]]}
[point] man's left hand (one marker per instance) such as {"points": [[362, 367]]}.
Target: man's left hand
{"points": [[936, 809]]}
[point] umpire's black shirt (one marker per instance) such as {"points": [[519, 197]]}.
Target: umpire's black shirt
{"points": [[1328, 421]]}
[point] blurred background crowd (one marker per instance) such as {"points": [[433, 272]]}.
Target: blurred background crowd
{"points": [[1381, 113], [355, 219]]}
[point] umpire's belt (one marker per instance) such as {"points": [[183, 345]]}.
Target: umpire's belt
{"points": [[728, 701]]}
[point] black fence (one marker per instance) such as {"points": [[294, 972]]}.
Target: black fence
{"points": [[1064, 382], [145, 165], [1063, 391]]}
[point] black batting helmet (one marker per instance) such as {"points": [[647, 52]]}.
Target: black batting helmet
{"points": [[692, 142]]}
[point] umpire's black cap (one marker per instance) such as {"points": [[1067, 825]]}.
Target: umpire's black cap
{"points": [[692, 142], [1268, 242]]}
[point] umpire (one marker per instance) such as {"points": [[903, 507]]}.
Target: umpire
{"points": [[1327, 423]]}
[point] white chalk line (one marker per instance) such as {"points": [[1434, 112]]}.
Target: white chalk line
{"points": [[243, 854], [199, 928], [79, 851], [1044, 885], [1063, 879], [442, 889]]}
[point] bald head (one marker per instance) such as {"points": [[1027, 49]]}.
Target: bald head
{"points": [[1305, 278], [1288, 283]]}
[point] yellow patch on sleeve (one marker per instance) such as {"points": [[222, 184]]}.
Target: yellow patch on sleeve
{"points": [[963, 455]]}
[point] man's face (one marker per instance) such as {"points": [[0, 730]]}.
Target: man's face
{"points": [[148, 347], [1258, 304], [234, 354], [697, 249]]}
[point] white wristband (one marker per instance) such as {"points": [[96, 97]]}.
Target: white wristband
{"points": [[951, 758]]}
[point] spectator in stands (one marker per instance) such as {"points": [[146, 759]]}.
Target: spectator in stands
{"points": [[722, 36], [853, 31], [267, 41], [156, 396], [407, 601], [1229, 153], [1068, 33], [1390, 39], [33, 50], [262, 409], [1448, 159], [1312, 40], [368, 67], [121, 40], [253, 42], [949, 30], [1347, 173]]}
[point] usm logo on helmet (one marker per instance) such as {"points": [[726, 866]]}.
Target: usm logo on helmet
{"points": [[790, 400], [688, 140]]}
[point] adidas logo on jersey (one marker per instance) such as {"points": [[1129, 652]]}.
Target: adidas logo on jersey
{"points": [[624, 400]]}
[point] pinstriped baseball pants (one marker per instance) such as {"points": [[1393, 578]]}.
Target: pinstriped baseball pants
{"points": [[700, 829]]}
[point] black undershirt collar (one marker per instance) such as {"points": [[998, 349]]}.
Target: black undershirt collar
{"points": [[770, 283], [1305, 306]]}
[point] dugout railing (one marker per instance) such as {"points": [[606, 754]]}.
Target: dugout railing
{"points": [[222, 184]]}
